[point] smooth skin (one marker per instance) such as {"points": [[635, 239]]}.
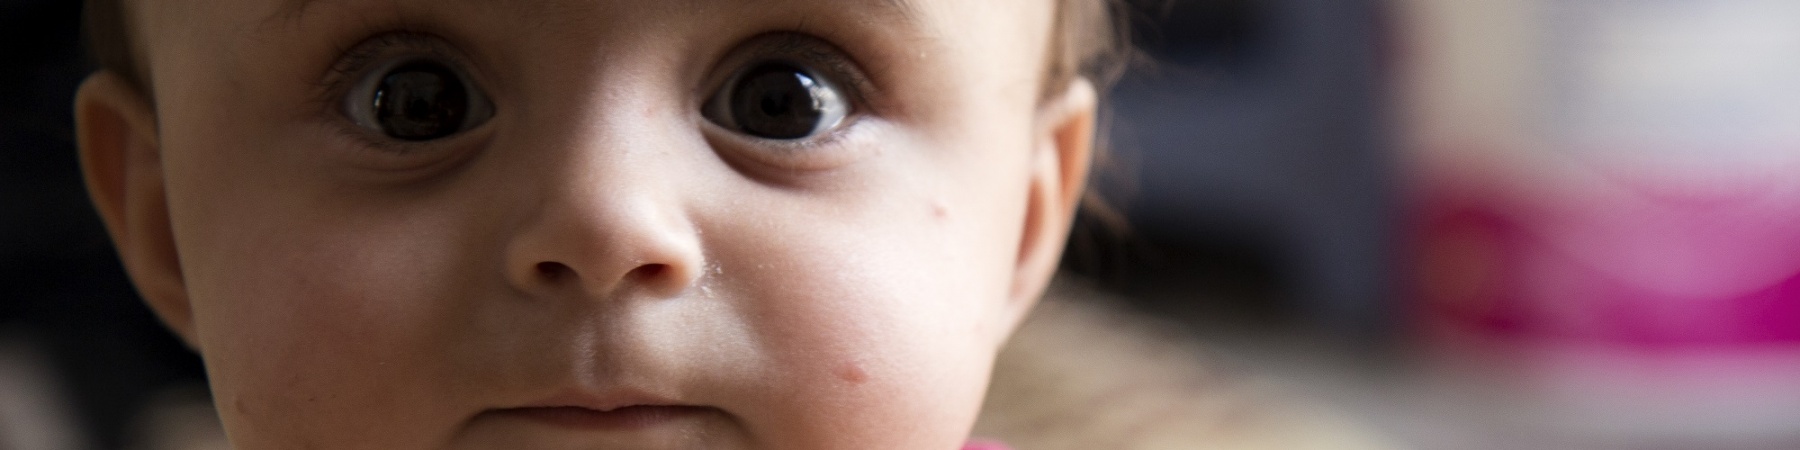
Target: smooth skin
{"points": [[598, 237]]}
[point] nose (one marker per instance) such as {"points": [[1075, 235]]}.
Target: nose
{"points": [[605, 226]]}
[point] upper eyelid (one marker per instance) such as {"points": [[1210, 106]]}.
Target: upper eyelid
{"points": [[811, 52], [354, 61]]}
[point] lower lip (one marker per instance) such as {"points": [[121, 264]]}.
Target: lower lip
{"points": [[626, 418]]}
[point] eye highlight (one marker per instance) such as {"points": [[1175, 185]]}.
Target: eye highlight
{"points": [[778, 101], [407, 93]]}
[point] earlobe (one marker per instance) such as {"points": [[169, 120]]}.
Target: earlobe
{"points": [[1061, 158], [122, 163]]}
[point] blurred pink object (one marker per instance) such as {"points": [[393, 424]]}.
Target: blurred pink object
{"points": [[1605, 205]]}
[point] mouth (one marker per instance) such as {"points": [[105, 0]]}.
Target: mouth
{"points": [[621, 418], [616, 412]]}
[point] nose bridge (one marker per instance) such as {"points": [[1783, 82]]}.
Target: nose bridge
{"points": [[609, 212]]}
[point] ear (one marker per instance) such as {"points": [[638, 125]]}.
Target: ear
{"points": [[1061, 157], [115, 129]]}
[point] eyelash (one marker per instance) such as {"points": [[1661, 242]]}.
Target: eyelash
{"points": [[355, 63], [810, 51], [364, 54]]}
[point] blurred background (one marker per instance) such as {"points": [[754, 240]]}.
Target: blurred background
{"points": [[1505, 224]]}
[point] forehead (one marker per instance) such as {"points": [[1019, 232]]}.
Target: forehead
{"points": [[935, 18], [903, 10], [924, 23]]}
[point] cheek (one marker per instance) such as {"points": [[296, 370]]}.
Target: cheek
{"points": [[320, 311], [315, 329], [864, 339], [876, 311]]}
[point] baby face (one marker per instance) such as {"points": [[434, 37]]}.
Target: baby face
{"points": [[782, 224]]}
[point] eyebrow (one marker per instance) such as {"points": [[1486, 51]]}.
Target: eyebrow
{"points": [[907, 11], [290, 10]]}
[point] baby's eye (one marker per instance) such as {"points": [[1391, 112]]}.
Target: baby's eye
{"points": [[417, 100], [777, 100]]}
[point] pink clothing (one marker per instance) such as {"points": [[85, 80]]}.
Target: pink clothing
{"points": [[985, 445]]}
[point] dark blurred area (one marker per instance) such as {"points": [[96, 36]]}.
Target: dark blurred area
{"points": [[1250, 165], [66, 308]]}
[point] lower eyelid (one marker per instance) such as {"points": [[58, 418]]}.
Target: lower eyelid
{"points": [[389, 161], [836, 148]]}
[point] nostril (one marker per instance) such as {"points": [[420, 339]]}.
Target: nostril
{"points": [[649, 271], [552, 270]]}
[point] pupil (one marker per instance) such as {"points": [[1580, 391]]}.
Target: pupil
{"points": [[778, 102], [421, 101]]}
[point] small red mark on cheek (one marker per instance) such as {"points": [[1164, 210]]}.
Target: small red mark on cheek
{"points": [[853, 373], [939, 211]]}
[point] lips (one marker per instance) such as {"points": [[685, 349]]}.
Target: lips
{"points": [[619, 411], [623, 418]]}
